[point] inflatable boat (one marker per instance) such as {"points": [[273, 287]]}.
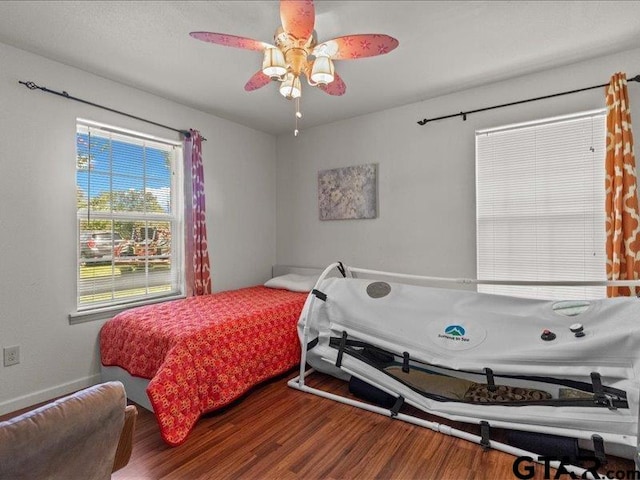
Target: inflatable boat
{"points": [[563, 370]]}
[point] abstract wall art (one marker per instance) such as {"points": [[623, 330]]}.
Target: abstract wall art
{"points": [[348, 193]]}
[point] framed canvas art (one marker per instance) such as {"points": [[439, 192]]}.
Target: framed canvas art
{"points": [[348, 193]]}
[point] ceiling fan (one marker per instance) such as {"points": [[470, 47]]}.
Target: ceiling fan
{"points": [[297, 52]]}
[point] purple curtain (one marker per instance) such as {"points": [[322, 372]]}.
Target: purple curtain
{"points": [[198, 273]]}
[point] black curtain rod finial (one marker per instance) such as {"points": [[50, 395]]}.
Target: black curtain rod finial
{"points": [[29, 85]]}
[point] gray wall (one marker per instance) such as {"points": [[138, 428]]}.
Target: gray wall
{"points": [[426, 222], [37, 214]]}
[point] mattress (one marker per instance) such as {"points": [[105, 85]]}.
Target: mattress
{"points": [[202, 353]]}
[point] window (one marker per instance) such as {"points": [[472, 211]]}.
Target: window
{"points": [[540, 205], [129, 217]]}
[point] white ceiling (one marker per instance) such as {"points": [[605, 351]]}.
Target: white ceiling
{"points": [[445, 46]]}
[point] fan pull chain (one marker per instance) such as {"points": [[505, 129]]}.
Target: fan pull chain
{"points": [[298, 115]]}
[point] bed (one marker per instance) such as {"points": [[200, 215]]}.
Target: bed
{"points": [[183, 358]]}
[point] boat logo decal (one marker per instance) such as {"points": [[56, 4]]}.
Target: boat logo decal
{"points": [[455, 330]]}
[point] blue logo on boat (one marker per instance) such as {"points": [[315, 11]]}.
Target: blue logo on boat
{"points": [[455, 330]]}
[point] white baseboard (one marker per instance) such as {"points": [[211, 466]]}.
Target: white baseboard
{"points": [[47, 394]]}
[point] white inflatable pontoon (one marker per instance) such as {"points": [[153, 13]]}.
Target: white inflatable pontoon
{"points": [[497, 361]]}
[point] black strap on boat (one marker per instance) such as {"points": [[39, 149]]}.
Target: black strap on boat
{"points": [[312, 343], [319, 295], [598, 449], [405, 362], [342, 270], [598, 392], [397, 406], [485, 434], [613, 398], [335, 342], [491, 384], [343, 344]]}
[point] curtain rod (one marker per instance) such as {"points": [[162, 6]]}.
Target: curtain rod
{"points": [[464, 114], [33, 86]]}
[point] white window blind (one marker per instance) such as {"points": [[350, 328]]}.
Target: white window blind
{"points": [[129, 217], [540, 205]]}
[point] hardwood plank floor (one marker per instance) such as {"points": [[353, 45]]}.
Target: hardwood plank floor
{"points": [[276, 432]]}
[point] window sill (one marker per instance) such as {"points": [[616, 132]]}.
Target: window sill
{"points": [[109, 312]]}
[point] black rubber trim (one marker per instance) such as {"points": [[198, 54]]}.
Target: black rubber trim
{"points": [[485, 433], [312, 343], [587, 387], [491, 384], [405, 362], [343, 344], [598, 392], [319, 295], [336, 342], [342, 270], [397, 406], [598, 448]]}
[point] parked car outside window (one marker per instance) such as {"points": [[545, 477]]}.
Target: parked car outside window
{"points": [[99, 244]]}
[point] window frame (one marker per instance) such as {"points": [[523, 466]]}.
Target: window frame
{"points": [[549, 292], [176, 218]]}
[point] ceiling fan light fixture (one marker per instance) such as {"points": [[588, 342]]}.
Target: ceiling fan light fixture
{"points": [[297, 52], [291, 87], [273, 64], [322, 71]]}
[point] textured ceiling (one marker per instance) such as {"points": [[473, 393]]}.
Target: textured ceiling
{"points": [[444, 47]]}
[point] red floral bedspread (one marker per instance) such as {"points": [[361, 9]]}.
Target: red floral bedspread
{"points": [[201, 353]]}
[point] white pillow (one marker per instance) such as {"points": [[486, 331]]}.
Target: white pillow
{"points": [[293, 282]]}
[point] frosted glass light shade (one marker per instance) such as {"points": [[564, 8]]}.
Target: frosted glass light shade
{"points": [[291, 87], [273, 64], [322, 71]]}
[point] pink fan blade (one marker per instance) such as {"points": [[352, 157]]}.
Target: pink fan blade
{"points": [[351, 47], [336, 88], [230, 40], [298, 17], [258, 80]]}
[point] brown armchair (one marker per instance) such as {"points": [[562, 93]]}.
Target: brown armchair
{"points": [[86, 435]]}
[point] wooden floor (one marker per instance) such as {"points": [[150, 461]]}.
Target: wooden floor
{"points": [[276, 432]]}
